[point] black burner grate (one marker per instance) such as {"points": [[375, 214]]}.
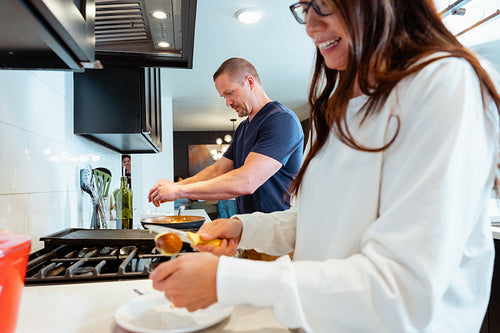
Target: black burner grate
{"points": [[119, 254]]}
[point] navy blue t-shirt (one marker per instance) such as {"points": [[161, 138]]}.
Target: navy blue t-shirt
{"points": [[275, 131]]}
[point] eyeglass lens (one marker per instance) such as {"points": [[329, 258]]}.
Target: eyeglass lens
{"points": [[300, 9]]}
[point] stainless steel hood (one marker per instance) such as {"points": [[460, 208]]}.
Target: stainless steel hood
{"points": [[128, 25], [127, 28], [63, 34]]}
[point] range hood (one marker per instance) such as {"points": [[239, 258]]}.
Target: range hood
{"points": [[128, 26], [126, 31], [79, 34]]}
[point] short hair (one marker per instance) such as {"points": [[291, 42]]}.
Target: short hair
{"points": [[237, 69]]}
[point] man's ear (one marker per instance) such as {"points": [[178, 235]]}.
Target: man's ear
{"points": [[251, 81]]}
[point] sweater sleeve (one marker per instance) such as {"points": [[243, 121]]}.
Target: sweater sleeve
{"points": [[242, 281], [272, 233]]}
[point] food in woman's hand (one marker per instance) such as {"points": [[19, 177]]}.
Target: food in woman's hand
{"points": [[168, 243], [196, 239]]}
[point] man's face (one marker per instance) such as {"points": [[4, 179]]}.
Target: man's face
{"points": [[237, 95]]}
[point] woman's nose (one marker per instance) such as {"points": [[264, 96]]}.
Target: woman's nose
{"points": [[314, 23]]}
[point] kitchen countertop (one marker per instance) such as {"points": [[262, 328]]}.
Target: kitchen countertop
{"points": [[90, 307], [495, 231]]}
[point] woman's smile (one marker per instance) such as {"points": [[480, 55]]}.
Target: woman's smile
{"points": [[331, 38], [328, 45]]}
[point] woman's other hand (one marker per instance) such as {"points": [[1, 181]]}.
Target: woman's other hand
{"points": [[229, 230]]}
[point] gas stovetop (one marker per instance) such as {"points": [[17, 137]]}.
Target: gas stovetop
{"points": [[84, 255]]}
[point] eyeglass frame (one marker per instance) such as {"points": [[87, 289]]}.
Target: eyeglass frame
{"points": [[308, 5]]}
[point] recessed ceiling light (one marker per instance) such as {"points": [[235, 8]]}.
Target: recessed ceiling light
{"points": [[248, 15], [163, 44], [159, 14]]}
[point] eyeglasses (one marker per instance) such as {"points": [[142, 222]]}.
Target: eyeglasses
{"points": [[300, 9]]}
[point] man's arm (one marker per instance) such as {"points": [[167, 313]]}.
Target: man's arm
{"points": [[256, 170], [220, 167], [245, 180], [165, 190]]}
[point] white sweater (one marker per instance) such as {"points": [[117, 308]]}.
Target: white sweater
{"points": [[397, 241]]}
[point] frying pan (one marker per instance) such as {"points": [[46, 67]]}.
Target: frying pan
{"points": [[190, 222]]}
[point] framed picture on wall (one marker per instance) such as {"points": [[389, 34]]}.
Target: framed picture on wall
{"points": [[201, 156]]}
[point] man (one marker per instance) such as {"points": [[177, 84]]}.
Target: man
{"points": [[263, 158]]}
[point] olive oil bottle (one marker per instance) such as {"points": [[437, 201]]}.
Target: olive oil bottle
{"points": [[123, 202]]}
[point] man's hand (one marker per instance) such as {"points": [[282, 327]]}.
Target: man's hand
{"points": [[164, 190], [188, 281], [229, 230]]}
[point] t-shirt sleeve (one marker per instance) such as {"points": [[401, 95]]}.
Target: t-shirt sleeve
{"points": [[279, 136], [230, 152]]}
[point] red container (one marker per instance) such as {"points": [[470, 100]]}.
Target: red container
{"points": [[14, 254]]}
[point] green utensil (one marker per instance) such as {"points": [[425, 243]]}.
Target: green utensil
{"points": [[102, 180]]}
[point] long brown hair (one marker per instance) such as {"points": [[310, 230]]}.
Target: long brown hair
{"points": [[387, 39]]}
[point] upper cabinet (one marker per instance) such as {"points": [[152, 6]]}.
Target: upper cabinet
{"points": [[79, 34], [119, 108], [47, 34]]}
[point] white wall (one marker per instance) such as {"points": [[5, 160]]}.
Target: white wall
{"points": [[147, 169], [40, 157]]}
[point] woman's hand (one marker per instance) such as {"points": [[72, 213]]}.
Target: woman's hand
{"points": [[229, 230], [188, 281]]}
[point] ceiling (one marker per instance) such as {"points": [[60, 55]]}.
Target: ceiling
{"points": [[280, 50], [277, 45]]}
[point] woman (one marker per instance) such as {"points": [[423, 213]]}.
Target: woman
{"points": [[389, 225], [126, 163]]}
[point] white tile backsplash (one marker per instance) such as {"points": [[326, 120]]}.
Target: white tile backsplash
{"points": [[14, 100], [61, 84], [41, 158], [47, 114], [31, 104], [14, 157], [14, 213], [48, 165], [47, 214]]}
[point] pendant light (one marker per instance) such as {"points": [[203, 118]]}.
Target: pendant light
{"points": [[219, 152]]}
